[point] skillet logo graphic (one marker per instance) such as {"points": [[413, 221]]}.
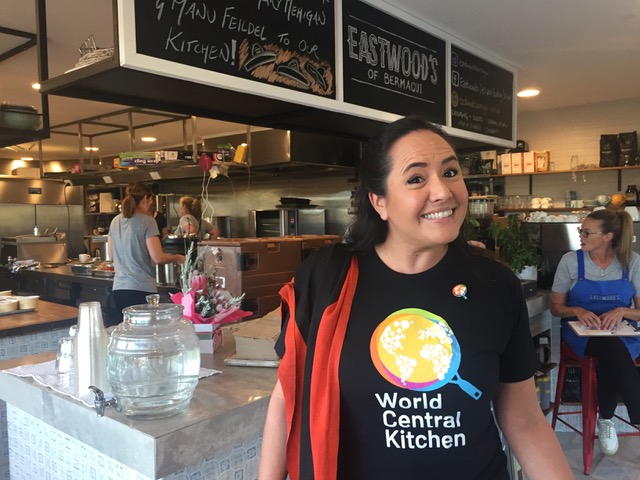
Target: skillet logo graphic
{"points": [[417, 350]]}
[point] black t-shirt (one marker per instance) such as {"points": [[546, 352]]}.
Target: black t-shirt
{"points": [[421, 361], [161, 220]]}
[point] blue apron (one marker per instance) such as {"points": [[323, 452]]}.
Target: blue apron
{"points": [[598, 297]]}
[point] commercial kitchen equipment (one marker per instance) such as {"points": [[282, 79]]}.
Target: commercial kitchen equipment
{"points": [[286, 221], [257, 267], [44, 248], [99, 246], [311, 243]]}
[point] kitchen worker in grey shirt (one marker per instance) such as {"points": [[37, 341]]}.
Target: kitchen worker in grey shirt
{"points": [[134, 245]]}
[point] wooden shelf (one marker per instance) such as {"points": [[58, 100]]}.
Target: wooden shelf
{"points": [[552, 172], [529, 209]]}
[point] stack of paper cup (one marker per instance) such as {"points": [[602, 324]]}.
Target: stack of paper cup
{"points": [[91, 348]]}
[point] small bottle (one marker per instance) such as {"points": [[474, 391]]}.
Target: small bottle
{"points": [[631, 196], [36, 231]]}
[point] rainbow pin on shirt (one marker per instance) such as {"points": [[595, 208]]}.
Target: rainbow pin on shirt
{"points": [[460, 290]]}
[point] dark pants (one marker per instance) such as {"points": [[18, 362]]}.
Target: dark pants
{"points": [[123, 299], [617, 377]]}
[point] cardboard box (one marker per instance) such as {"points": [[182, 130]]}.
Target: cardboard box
{"points": [[209, 336], [529, 162], [179, 155], [132, 159], [256, 339], [488, 161], [505, 162], [542, 161], [516, 162], [106, 202]]}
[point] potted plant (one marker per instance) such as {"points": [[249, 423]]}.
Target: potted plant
{"points": [[469, 229], [516, 246]]}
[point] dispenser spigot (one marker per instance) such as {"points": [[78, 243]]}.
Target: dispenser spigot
{"points": [[100, 402]]}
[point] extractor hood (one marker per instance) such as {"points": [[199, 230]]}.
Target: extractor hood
{"points": [[273, 148]]}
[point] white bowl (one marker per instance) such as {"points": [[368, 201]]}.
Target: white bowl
{"points": [[8, 304], [30, 301]]}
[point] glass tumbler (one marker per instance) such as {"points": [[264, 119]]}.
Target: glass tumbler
{"points": [[66, 357]]}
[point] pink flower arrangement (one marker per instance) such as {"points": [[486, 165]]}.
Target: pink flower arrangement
{"points": [[203, 299]]}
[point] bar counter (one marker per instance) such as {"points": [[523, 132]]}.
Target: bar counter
{"points": [[218, 436], [46, 316], [221, 429]]}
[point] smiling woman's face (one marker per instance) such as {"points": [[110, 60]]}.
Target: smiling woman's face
{"points": [[426, 199]]}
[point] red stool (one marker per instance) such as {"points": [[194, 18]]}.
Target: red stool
{"points": [[589, 410]]}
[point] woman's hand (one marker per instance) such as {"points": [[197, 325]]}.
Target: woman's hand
{"points": [[612, 319], [587, 318]]}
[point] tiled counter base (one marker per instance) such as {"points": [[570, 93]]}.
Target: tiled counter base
{"points": [[15, 347], [40, 451]]}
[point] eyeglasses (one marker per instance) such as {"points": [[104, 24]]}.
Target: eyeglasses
{"points": [[585, 234]]}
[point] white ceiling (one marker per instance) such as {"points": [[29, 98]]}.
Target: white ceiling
{"points": [[575, 51]]}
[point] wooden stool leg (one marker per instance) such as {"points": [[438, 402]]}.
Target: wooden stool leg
{"points": [[589, 411]]}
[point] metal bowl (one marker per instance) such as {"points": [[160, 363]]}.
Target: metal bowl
{"points": [[81, 268]]}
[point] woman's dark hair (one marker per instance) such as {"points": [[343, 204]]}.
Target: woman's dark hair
{"points": [[193, 206], [134, 194], [368, 229], [620, 224]]}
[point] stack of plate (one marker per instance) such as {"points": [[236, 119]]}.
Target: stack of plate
{"points": [[590, 203]]}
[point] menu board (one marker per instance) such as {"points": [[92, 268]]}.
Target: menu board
{"points": [[481, 95], [390, 65], [286, 43]]}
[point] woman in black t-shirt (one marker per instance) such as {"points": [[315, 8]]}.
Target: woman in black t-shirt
{"points": [[396, 345]]}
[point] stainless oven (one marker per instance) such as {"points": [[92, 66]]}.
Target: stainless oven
{"points": [[286, 221]]}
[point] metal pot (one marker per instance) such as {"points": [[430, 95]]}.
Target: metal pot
{"points": [[168, 274]]}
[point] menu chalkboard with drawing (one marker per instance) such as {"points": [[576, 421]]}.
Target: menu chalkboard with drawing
{"points": [[284, 43], [390, 65], [481, 95]]}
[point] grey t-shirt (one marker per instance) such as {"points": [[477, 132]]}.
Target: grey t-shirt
{"points": [[202, 228], [131, 259], [567, 273]]}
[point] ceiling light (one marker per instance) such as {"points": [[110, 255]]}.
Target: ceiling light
{"points": [[91, 149], [26, 158], [148, 139], [529, 92], [35, 86]]}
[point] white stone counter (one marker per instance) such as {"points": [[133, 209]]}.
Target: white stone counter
{"points": [[223, 423]]}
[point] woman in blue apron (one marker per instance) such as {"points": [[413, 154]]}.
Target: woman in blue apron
{"points": [[597, 285]]}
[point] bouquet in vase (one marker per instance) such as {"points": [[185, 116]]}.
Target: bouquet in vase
{"points": [[205, 301]]}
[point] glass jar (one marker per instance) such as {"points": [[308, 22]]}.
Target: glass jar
{"points": [[153, 360]]}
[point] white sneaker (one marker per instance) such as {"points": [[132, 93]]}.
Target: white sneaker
{"points": [[607, 436]]}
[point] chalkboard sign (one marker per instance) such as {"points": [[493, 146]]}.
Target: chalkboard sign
{"points": [[390, 65], [481, 95], [284, 43]]}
